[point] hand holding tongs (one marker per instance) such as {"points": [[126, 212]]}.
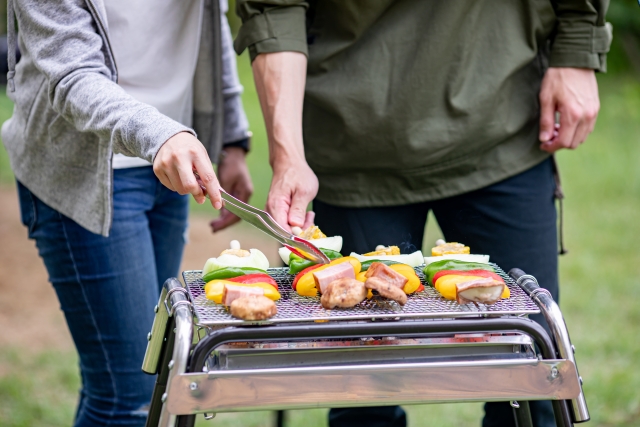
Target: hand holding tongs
{"points": [[265, 222]]}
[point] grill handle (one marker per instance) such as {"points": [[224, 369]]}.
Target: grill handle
{"points": [[555, 320]]}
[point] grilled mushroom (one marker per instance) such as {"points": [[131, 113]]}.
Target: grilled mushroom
{"points": [[386, 289]]}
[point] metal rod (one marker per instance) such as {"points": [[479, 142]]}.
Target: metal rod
{"points": [[522, 414], [183, 337], [161, 381], [555, 320], [356, 330]]}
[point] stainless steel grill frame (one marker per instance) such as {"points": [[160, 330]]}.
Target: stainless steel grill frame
{"points": [[191, 379], [293, 308]]}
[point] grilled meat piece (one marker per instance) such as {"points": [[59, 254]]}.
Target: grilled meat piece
{"points": [[253, 307], [232, 293], [485, 291], [384, 272], [344, 292], [386, 289], [324, 277]]}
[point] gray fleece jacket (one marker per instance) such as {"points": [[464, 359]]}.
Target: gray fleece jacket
{"points": [[70, 115]]}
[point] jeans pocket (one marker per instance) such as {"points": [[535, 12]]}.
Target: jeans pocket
{"points": [[28, 210]]}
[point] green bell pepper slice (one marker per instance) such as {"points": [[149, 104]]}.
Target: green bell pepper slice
{"points": [[452, 264], [367, 264], [229, 272], [297, 264]]}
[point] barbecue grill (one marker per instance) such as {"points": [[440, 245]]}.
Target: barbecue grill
{"points": [[378, 353]]}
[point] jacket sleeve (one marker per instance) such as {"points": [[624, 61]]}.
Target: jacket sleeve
{"points": [[65, 44], [271, 26], [236, 126], [582, 36]]}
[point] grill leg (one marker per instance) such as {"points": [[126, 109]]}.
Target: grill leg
{"points": [[522, 415], [280, 418], [163, 375]]}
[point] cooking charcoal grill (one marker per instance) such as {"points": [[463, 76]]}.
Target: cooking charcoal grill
{"points": [[378, 353]]}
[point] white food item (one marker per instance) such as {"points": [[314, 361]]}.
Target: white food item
{"points": [[334, 243], [381, 247], [234, 244], [440, 242], [458, 257], [296, 230], [485, 291], [414, 260], [256, 260]]}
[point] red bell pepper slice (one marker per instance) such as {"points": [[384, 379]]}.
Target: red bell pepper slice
{"points": [[302, 273], [479, 273], [247, 279], [420, 288]]}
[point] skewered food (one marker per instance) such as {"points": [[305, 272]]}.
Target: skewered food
{"points": [[344, 293], [413, 281], [315, 236], [447, 284], [448, 272], [326, 276], [451, 264], [304, 282], [386, 273], [386, 289], [253, 307], [485, 291], [297, 264], [232, 293], [214, 290], [235, 258], [255, 278]]}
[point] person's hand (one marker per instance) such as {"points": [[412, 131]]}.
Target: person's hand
{"points": [[235, 179], [573, 93], [176, 162], [293, 186]]}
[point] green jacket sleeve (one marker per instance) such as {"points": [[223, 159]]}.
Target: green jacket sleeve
{"points": [[271, 26], [582, 36]]}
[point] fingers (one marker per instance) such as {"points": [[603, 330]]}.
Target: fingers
{"points": [[547, 115], [208, 180], [298, 210], [309, 219], [278, 208], [188, 184], [225, 220]]}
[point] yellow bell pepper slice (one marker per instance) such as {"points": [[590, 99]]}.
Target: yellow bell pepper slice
{"points": [[215, 289], [410, 274], [446, 285]]}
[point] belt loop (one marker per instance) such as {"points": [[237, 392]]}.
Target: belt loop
{"points": [[559, 195]]}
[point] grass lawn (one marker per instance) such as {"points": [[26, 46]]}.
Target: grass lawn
{"points": [[600, 282]]}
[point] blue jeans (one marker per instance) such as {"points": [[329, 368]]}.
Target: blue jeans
{"points": [[514, 221], [108, 286]]}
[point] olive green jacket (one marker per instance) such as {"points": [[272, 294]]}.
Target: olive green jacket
{"points": [[415, 100]]}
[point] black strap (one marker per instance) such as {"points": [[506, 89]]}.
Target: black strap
{"points": [[559, 195]]}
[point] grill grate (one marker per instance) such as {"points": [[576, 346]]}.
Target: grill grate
{"points": [[295, 308]]}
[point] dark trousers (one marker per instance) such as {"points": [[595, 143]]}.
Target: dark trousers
{"points": [[514, 221]]}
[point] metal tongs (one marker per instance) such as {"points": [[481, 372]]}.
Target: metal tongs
{"points": [[265, 222]]}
